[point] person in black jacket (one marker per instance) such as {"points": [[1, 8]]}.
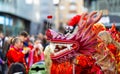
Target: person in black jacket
{"points": [[17, 68], [2, 60]]}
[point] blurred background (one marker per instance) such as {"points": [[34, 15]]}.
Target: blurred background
{"points": [[35, 15]]}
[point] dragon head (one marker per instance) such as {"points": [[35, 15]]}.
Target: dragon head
{"points": [[66, 46], [63, 47]]}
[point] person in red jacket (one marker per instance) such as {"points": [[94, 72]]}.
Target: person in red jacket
{"points": [[15, 54], [36, 54]]}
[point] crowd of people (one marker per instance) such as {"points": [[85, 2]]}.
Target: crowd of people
{"points": [[22, 49]]}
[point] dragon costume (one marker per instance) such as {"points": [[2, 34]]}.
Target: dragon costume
{"points": [[72, 53], [114, 46], [107, 55]]}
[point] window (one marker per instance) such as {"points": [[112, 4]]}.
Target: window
{"points": [[6, 21], [1, 20]]}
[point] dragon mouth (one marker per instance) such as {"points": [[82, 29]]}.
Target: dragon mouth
{"points": [[63, 50], [60, 48]]}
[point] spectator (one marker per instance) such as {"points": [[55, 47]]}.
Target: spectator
{"points": [[36, 54], [2, 54], [16, 68], [40, 36], [45, 42], [38, 48], [24, 37], [32, 38], [14, 54], [1, 41], [30, 44], [1, 65]]}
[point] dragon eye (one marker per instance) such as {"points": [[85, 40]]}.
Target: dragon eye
{"points": [[68, 27]]}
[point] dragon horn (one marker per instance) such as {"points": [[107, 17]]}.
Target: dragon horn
{"points": [[98, 17], [87, 31], [92, 19], [81, 21]]}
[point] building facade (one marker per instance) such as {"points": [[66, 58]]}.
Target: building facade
{"points": [[110, 8], [24, 15], [70, 8]]}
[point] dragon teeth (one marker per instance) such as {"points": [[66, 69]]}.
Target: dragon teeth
{"points": [[67, 45]]}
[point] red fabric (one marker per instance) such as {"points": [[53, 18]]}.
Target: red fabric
{"points": [[96, 69], [86, 65], [112, 48], [113, 28], [82, 63], [15, 55], [30, 46], [114, 33], [36, 57], [63, 68]]}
